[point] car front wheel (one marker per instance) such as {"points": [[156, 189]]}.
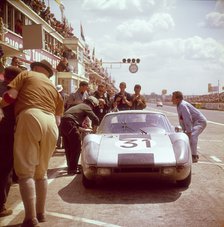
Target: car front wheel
{"points": [[87, 183], [185, 182]]}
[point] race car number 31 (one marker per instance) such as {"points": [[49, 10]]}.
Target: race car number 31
{"points": [[138, 143]]}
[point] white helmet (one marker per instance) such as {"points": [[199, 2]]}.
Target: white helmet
{"points": [[94, 101]]}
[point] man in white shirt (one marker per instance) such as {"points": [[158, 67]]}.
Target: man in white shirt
{"points": [[192, 121]]}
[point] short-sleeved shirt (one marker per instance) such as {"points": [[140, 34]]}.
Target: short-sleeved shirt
{"points": [[136, 105], [76, 98], [35, 90], [121, 105]]}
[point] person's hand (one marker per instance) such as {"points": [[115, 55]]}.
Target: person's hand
{"points": [[1, 114], [118, 99]]}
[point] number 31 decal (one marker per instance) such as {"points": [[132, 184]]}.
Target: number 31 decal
{"points": [[131, 143]]}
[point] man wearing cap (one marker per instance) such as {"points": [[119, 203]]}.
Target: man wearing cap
{"points": [[38, 107], [6, 141], [138, 100], [79, 96], [70, 123]]}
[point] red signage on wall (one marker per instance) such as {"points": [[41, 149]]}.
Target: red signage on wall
{"points": [[32, 54]]}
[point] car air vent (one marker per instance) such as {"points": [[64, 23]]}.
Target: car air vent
{"points": [[136, 170]]}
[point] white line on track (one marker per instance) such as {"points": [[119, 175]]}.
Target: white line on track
{"points": [[84, 220], [215, 123], [210, 163], [213, 141], [215, 159], [19, 208]]}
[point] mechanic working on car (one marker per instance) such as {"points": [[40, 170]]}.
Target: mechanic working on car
{"points": [[192, 121], [70, 123]]}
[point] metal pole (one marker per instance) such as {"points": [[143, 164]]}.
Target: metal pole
{"points": [[218, 90]]}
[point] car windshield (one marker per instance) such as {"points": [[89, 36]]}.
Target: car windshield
{"points": [[134, 123]]}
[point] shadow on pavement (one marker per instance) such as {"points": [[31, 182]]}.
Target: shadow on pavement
{"points": [[121, 192]]}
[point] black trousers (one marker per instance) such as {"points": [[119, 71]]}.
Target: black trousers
{"points": [[72, 142], [6, 163]]}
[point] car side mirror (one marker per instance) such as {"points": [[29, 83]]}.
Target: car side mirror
{"points": [[178, 129]]}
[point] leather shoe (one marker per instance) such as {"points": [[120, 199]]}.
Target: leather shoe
{"points": [[41, 217], [30, 223], [195, 158]]}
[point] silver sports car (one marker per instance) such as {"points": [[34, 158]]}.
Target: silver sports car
{"points": [[136, 143]]}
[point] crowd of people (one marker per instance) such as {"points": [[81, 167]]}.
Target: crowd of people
{"points": [[44, 12], [38, 114], [209, 98], [35, 114]]}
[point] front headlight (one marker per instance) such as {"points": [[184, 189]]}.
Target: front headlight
{"points": [[104, 171], [168, 171]]}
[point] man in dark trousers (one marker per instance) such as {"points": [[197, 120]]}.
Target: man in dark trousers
{"points": [[70, 123]]}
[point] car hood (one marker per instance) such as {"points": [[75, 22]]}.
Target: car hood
{"points": [[139, 149]]}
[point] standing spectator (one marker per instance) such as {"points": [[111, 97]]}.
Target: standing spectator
{"points": [[192, 121], [19, 27], [38, 107], [61, 91], [15, 62], [104, 101], [6, 142], [70, 123], [122, 100], [79, 96], [138, 100], [64, 96], [63, 65]]}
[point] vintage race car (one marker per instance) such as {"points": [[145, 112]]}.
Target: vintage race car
{"points": [[136, 143]]}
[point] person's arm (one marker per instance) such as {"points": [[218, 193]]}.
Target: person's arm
{"points": [[142, 102], [1, 114], [92, 116], [186, 119], [127, 100], [8, 97], [58, 120]]}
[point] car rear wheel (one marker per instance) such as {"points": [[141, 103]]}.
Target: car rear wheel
{"points": [[87, 183], [184, 183]]}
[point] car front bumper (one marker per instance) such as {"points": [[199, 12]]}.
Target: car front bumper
{"points": [[155, 172]]}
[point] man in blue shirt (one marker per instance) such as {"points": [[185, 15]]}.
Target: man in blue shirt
{"points": [[192, 121]]}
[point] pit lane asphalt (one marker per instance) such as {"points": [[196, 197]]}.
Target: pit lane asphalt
{"points": [[70, 204]]}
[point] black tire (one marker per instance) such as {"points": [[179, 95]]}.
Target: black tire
{"points": [[184, 183], [87, 183]]}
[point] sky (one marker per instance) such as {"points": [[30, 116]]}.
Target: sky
{"points": [[180, 43]]}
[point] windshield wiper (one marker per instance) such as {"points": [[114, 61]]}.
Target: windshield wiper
{"points": [[142, 131], [125, 126]]}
